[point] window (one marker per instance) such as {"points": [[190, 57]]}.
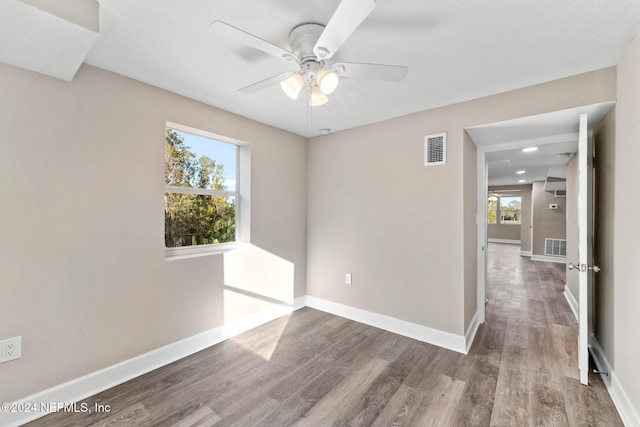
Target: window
{"points": [[504, 210], [510, 210], [201, 190], [492, 209]]}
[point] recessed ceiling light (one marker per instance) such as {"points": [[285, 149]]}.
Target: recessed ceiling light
{"points": [[529, 149], [522, 180], [324, 130], [520, 172]]}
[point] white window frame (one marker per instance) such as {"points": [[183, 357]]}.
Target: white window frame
{"points": [[241, 195]]}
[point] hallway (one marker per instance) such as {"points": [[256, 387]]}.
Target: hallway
{"points": [[538, 380]]}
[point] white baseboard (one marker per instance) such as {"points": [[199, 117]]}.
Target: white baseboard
{"points": [[509, 241], [91, 384], [547, 258], [88, 385], [620, 399], [402, 327], [471, 332], [525, 253], [573, 303]]}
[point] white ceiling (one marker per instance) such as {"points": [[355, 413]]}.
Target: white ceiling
{"points": [[555, 135], [549, 160], [455, 51], [39, 41]]}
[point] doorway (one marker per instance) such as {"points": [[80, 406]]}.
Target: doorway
{"points": [[499, 140]]}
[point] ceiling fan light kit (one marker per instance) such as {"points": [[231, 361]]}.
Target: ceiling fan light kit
{"points": [[293, 85], [311, 46], [317, 97], [327, 81]]}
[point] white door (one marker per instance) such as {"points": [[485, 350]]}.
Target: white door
{"points": [[584, 267]]}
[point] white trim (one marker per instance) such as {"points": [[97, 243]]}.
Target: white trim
{"points": [[533, 205], [525, 253], [184, 252], [95, 382], [509, 241], [618, 396], [520, 143], [547, 258], [482, 189], [204, 133], [620, 399], [573, 303], [402, 327], [242, 195], [200, 191], [470, 335]]}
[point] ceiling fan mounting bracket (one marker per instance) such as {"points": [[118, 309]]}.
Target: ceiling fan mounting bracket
{"points": [[303, 38]]}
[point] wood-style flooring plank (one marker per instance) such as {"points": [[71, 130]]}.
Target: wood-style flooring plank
{"points": [[511, 403], [440, 404], [311, 368], [400, 410], [335, 404]]}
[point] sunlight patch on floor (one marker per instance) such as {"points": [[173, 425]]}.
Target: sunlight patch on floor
{"points": [[265, 290]]}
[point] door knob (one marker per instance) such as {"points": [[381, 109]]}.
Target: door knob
{"points": [[583, 267]]}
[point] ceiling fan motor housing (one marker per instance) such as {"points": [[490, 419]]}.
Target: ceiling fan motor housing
{"points": [[303, 38]]}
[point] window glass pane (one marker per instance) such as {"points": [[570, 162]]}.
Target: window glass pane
{"points": [[193, 219], [510, 210], [492, 209], [200, 162]]}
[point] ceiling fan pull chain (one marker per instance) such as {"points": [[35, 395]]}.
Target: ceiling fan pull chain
{"points": [[309, 109]]}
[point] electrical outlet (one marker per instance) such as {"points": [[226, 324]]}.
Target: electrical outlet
{"points": [[347, 278], [10, 349]]}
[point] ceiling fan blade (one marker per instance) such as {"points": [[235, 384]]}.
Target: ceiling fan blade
{"points": [[392, 73], [347, 17], [263, 84], [241, 36]]}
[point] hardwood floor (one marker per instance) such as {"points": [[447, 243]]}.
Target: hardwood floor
{"points": [[315, 369]]}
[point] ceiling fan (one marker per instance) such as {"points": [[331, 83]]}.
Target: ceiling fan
{"points": [[311, 47]]}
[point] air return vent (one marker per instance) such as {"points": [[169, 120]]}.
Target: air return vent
{"points": [[435, 149], [555, 247]]}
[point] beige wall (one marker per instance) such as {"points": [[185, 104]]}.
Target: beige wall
{"points": [[376, 211], [83, 274], [520, 232], [83, 212], [504, 231], [526, 226], [624, 346], [604, 227], [547, 223]]}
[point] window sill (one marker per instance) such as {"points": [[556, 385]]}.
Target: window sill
{"points": [[186, 252]]}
